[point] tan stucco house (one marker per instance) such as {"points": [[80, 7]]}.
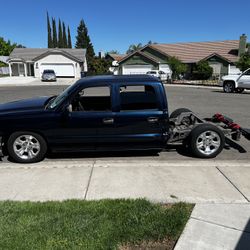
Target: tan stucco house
{"points": [[32, 62]]}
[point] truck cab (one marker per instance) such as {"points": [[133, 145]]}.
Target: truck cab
{"points": [[236, 83]]}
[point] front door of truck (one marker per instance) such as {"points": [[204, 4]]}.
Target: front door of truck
{"points": [[90, 116]]}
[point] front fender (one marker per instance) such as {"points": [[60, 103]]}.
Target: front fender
{"points": [[230, 80]]}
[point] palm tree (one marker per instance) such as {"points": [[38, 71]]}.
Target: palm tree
{"points": [[134, 47]]}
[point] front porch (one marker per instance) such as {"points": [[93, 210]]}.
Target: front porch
{"points": [[20, 68]]}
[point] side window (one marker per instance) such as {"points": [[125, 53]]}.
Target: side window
{"points": [[137, 97], [92, 99], [247, 73]]}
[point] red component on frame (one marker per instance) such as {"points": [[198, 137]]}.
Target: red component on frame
{"points": [[229, 123]]}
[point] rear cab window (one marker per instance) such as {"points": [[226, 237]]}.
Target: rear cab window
{"points": [[138, 97]]}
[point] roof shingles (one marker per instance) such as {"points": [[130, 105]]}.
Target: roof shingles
{"points": [[28, 54], [196, 51]]}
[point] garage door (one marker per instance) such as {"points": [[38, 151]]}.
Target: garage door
{"points": [[136, 69], [61, 69]]}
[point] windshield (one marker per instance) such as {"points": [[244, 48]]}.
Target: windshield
{"points": [[59, 99]]}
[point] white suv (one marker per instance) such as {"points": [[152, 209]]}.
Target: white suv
{"points": [[159, 73], [236, 83]]}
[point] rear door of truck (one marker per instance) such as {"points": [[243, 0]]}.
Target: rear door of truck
{"points": [[141, 118]]}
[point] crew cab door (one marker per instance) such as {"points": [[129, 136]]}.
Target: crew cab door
{"points": [[90, 112], [140, 119], [244, 80]]}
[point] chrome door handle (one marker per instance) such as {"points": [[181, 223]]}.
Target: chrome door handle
{"points": [[108, 120], [153, 119]]}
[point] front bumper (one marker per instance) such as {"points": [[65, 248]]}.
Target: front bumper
{"points": [[1, 146]]}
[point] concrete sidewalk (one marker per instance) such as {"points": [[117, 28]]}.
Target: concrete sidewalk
{"points": [[220, 189], [158, 181], [217, 226]]}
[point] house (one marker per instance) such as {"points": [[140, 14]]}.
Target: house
{"points": [[4, 69], [114, 58], [32, 62], [221, 56]]}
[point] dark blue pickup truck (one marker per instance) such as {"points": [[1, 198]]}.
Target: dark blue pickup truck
{"points": [[103, 113]]}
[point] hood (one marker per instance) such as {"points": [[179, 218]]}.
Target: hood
{"points": [[230, 77], [23, 105]]}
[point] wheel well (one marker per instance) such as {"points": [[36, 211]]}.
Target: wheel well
{"points": [[229, 81]]}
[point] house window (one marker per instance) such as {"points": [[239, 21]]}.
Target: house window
{"points": [[36, 65]]}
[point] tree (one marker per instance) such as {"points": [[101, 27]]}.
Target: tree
{"points": [[83, 40], [69, 39], [244, 62], [113, 52], [65, 42], [50, 43], [60, 35], [134, 47], [54, 37], [99, 66], [202, 71], [6, 47], [150, 42], [177, 67]]}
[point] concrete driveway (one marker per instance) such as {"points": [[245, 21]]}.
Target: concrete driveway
{"points": [[31, 81]]}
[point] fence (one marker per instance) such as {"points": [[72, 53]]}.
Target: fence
{"points": [[4, 71]]}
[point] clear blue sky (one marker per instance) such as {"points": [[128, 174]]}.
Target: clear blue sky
{"points": [[115, 24]]}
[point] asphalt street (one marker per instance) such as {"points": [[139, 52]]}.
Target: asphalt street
{"points": [[203, 101]]}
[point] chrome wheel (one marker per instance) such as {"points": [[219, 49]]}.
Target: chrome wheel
{"points": [[229, 87], [208, 142], [26, 147]]}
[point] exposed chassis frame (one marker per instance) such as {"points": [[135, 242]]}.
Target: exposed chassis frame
{"points": [[182, 125]]}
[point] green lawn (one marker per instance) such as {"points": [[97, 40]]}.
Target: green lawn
{"points": [[75, 224]]}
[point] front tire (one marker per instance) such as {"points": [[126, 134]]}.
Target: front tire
{"points": [[206, 141], [26, 147], [228, 87]]}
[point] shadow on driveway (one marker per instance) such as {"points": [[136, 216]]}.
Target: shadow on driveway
{"points": [[244, 241]]}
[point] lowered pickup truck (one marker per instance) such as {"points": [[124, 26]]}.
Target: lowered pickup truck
{"points": [[236, 83], [107, 113]]}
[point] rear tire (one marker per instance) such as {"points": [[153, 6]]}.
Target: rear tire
{"points": [[26, 147], [206, 141], [228, 87], [177, 112]]}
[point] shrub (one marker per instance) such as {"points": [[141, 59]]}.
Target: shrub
{"points": [[177, 67], [202, 71], [244, 62]]}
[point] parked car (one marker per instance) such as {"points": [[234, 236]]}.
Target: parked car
{"points": [[236, 83], [49, 75], [159, 74], [106, 113]]}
